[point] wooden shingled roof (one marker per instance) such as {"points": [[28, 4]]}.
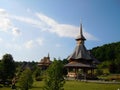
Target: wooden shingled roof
{"points": [[80, 52], [81, 57]]}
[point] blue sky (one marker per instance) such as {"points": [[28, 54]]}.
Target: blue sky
{"points": [[30, 29]]}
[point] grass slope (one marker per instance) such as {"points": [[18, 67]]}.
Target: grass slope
{"points": [[76, 85]]}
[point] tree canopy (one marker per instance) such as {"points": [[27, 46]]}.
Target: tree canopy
{"points": [[54, 76], [107, 52], [26, 80], [109, 56], [7, 66]]}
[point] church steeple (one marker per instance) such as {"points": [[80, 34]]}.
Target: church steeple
{"points": [[48, 55], [81, 33], [80, 51], [80, 37]]}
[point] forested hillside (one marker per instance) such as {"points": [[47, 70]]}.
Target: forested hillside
{"points": [[109, 56]]}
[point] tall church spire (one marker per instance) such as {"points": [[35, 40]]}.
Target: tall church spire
{"points": [[81, 29], [80, 37], [48, 56], [80, 51]]}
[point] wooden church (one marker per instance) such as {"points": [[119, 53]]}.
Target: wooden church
{"points": [[45, 63], [81, 62]]}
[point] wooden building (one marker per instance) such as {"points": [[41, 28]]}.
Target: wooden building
{"points": [[81, 62], [44, 63]]}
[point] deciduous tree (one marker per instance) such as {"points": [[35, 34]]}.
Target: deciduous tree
{"points": [[26, 80], [54, 77], [8, 66]]}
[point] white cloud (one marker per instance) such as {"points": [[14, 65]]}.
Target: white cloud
{"points": [[2, 11], [29, 44], [16, 31], [39, 41], [44, 23], [33, 43], [31, 21], [1, 40], [63, 30], [47, 20], [5, 22]]}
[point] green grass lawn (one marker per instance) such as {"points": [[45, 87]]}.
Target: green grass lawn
{"points": [[76, 85]]}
